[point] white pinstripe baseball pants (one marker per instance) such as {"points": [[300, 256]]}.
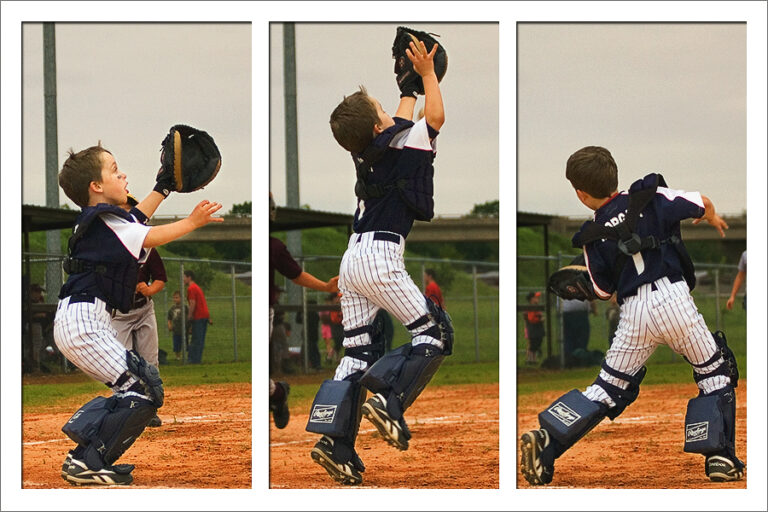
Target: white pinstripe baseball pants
{"points": [[83, 332], [666, 315], [373, 276]]}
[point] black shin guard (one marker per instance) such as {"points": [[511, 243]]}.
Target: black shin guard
{"points": [[569, 418], [710, 423], [105, 428], [402, 374], [336, 413]]}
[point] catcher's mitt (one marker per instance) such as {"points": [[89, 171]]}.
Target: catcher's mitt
{"points": [[408, 80], [572, 282], [189, 158]]}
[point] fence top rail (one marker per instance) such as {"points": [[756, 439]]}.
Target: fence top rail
{"points": [[55, 257]]}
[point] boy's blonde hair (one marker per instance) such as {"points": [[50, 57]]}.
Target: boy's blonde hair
{"points": [[592, 170], [79, 170], [352, 121]]}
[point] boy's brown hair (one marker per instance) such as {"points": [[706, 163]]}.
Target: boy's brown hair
{"points": [[352, 121], [592, 170], [79, 170]]}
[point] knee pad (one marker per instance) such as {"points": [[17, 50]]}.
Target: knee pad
{"points": [[728, 367], [336, 410], [621, 397], [402, 374], [710, 423], [371, 352], [571, 417], [149, 376], [441, 330], [107, 427]]}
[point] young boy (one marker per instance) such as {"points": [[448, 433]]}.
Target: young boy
{"points": [[534, 329], [388, 153], [106, 249], [174, 324], [650, 271]]}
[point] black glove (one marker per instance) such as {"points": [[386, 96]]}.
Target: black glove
{"points": [[408, 80]]}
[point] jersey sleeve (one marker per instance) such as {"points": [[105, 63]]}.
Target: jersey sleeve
{"points": [[131, 234], [419, 136], [156, 266], [283, 261], [678, 205], [599, 271]]}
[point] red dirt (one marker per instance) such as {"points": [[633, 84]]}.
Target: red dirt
{"points": [[641, 449], [446, 422], [204, 428]]}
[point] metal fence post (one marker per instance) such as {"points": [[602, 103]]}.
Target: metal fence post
{"points": [[477, 320], [561, 317], [234, 311], [717, 299], [304, 322], [183, 293]]}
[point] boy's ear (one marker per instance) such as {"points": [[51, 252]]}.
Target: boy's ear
{"points": [[583, 196], [95, 186], [377, 129]]}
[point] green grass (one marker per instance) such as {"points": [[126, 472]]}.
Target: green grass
{"points": [[49, 391]]}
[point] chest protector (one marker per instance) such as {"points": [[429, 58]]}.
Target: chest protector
{"points": [[115, 274], [414, 184], [629, 242]]}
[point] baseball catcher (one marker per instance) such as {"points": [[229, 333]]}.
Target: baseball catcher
{"points": [[393, 157], [189, 160], [107, 247], [633, 249]]}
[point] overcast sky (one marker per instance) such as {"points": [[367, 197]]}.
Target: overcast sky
{"points": [[668, 98], [333, 59], [126, 85]]}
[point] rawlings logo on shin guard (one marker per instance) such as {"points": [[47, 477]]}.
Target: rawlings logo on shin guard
{"points": [[323, 414]]}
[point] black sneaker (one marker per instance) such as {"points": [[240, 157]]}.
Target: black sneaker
{"points": [[723, 469], [531, 445], [79, 474], [65, 466], [155, 421], [279, 408], [343, 472], [375, 410]]}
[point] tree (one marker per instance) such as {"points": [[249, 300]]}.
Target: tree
{"points": [[241, 209], [486, 209]]}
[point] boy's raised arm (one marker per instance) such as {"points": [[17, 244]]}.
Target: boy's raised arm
{"points": [[200, 216], [424, 65]]}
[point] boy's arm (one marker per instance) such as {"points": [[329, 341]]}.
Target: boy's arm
{"points": [[406, 107], [711, 217], [200, 216], [424, 65], [150, 203], [307, 280]]}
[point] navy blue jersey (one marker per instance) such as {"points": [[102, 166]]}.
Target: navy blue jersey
{"points": [[661, 219], [114, 241], [409, 150]]}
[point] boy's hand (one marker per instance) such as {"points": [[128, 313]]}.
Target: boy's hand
{"points": [[201, 215], [716, 221], [333, 284], [423, 62], [711, 216]]}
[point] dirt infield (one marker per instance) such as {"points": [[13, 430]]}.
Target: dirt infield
{"points": [[204, 429], [642, 449], [446, 422]]}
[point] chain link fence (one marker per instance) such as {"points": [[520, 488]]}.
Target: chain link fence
{"points": [[227, 289], [713, 287], [470, 291]]}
